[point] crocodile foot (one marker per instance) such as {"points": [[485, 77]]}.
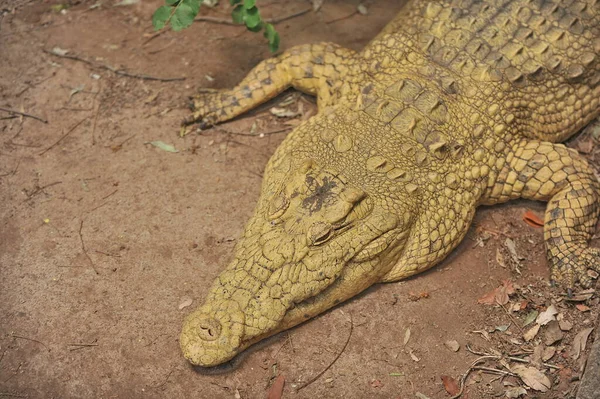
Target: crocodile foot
{"points": [[572, 265]]}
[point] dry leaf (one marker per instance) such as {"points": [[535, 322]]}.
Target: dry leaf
{"points": [[548, 353], [531, 333], [565, 325], [453, 345], [579, 342], [185, 302], [413, 356], [500, 258], [582, 308], [581, 296], [532, 377], [553, 333], [499, 295], [276, 389], [547, 316], [283, 112], [450, 385], [237, 394], [532, 219], [421, 396], [515, 392], [406, 336]]}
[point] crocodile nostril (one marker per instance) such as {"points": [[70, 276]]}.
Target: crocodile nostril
{"points": [[209, 329]]}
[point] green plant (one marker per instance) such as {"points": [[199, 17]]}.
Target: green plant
{"points": [[180, 14]]}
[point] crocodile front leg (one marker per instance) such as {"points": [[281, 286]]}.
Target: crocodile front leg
{"points": [[317, 69], [551, 172]]}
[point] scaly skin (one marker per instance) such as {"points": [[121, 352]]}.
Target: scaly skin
{"points": [[454, 105]]}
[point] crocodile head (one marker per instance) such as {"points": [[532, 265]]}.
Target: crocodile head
{"points": [[314, 240]]}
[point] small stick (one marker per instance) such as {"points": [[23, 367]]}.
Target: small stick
{"points": [[342, 18], [334, 360], [31, 339], [113, 69], [226, 21], [12, 173], [84, 249], [63, 136], [25, 114], [511, 317]]}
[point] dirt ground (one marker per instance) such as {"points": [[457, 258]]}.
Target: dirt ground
{"points": [[105, 238]]}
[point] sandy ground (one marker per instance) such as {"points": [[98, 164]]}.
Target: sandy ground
{"points": [[105, 238]]}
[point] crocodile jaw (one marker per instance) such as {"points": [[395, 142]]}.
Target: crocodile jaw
{"points": [[313, 242]]}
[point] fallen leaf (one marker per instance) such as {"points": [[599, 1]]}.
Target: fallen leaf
{"points": [[362, 9], [283, 112], [580, 342], [553, 333], [548, 353], [413, 356], [453, 345], [185, 302], [547, 316], [582, 308], [499, 295], [502, 328], [237, 394], [421, 396], [532, 219], [163, 146], [276, 389], [581, 296], [532, 377], [500, 258], [512, 249], [59, 51], [515, 392], [450, 385], [531, 316], [565, 325], [406, 336], [531, 333]]}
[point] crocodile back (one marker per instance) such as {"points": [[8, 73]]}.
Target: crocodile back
{"points": [[533, 61]]}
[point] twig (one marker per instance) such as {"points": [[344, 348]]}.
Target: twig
{"points": [[494, 371], [166, 379], [13, 172], [63, 136], [465, 375], [13, 395], [81, 346], [276, 131], [84, 249], [334, 360], [113, 69], [25, 114], [226, 21], [40, 189], [30, 339], [342, 18]]}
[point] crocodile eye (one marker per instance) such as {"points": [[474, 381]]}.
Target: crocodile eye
{"points": [[319, 232]]}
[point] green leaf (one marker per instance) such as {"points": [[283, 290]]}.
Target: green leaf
{"points": [[194, 5], [252, 18], [530, 317], [238, 14], [183, 17], [270, 31], [248, 4], [171, 2], [160, 16], [234, 2], [163, 146], [274, 43]]}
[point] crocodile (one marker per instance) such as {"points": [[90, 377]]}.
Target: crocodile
{"points": [[455, 104]]}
